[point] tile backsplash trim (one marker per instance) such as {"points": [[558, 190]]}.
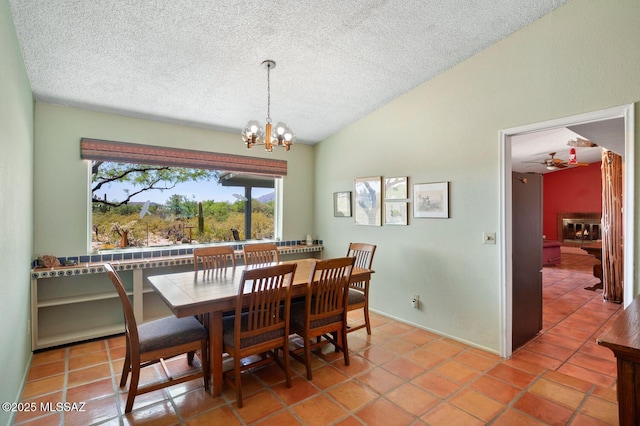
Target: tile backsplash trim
{"points": [[91, 264]]}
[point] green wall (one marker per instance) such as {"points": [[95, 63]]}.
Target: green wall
{"points": [[582, 57], [62, 178], [16, 211]]}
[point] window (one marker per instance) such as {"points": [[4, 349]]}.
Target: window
{"points": [[136, 204]]}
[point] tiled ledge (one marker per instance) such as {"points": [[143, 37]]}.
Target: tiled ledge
{"points": [[96, 266]]}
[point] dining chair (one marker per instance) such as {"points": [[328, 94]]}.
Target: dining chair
{"points": [[155, 341], [323, 315], [261, 253], [213, 258], [359, 291], [262, 326]]}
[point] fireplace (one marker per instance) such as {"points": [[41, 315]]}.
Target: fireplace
{"points": [[579, 228]]}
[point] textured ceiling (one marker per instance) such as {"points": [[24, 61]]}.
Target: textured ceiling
{"points": [[198, 62]]}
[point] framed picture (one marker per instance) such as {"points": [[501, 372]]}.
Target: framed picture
{"points": [[342, 204], [368, 193], [431, 199], [395, 188], [395, 212]]}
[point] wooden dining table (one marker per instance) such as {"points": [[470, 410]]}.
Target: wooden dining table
{"points": [[211, 293]]}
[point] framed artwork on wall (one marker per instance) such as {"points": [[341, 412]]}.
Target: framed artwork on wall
{"points": [[367, 205], [431, 200], [342, 204], [395, 188], [395, 212]]}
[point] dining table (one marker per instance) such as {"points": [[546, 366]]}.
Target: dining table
{"points": [[211, 293]]}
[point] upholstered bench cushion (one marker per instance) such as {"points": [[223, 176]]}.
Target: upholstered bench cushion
{"points": [[228, 332], [170, 331], [551, 252]]}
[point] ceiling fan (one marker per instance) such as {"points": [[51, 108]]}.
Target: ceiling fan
{"points": [[553, 163]]}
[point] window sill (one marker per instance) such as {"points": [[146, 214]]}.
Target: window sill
{"points": [[95, 266]]}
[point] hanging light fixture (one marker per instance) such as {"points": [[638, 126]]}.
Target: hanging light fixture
{"points": [[270, 136]]}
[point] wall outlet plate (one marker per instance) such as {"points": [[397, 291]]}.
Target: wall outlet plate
{"points": [[488, 237]]}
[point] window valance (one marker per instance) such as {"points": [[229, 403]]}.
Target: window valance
{"points": [[123, 152]]}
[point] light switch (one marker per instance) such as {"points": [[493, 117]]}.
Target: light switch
{"points": [[488, 237]]}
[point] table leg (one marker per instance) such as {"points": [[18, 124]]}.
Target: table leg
{"points": [[215, 351]]}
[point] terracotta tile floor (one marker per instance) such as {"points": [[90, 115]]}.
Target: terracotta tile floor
{"points": [[400, 375]]}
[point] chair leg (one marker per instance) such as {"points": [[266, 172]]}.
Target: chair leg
{"points": [[126, 367], [204, 361], [366, 316], [307, 358], [287, 369], [190, 356], [133, 387], [236, 373], [344, 346]]}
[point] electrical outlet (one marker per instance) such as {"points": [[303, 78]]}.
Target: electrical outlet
{"points": [[488, 237], [415, 302]]}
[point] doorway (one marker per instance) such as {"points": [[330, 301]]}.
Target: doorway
{"points": [[625, 112]]}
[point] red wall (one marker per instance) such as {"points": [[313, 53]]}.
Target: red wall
{"points": [[578, 190]]}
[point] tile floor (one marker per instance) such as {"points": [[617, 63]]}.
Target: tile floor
{"points": [[400, 375]]}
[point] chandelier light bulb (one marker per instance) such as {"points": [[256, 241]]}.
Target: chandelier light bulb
{"points": [[253, 133]]}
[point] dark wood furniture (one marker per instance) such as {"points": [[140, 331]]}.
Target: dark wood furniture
{"points": [[595, 249], [263, 327], [188, 294], [359, 291], [261, 253], [155, 341], [623, 338], [322, 317], [213, 258]]}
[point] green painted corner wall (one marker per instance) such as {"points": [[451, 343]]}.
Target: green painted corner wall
{"points": [[16, 211], [62, 178], [582, 57]]}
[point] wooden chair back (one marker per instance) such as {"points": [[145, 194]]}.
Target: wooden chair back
{"points": [[327, 288], [154, 341], [261, 253], [266, 289], [213, 258], [131, 327], [262, 327], [359, 291], [363, 253], [323, 319]]}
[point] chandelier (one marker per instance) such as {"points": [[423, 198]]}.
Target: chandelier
{"points": [[270, 136]]}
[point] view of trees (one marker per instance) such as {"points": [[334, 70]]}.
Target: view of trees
{"points": [[127, 223]]}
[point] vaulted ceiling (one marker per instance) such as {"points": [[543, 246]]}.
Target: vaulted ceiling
{"points": [[198, 62]]}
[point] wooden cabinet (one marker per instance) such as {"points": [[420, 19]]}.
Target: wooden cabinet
{"points": [[623, 338]]}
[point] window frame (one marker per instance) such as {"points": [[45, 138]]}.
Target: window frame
{"points": [[123, 152]]}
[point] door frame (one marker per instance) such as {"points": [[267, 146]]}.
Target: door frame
{"points": [[506, 227]]}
